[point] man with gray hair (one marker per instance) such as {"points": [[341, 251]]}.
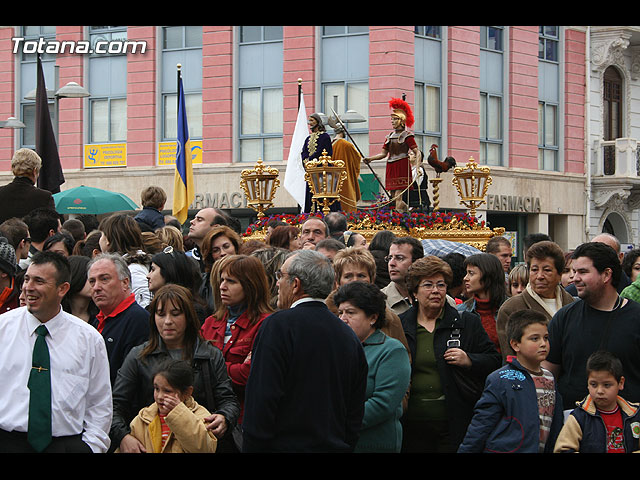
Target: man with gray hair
{"points": [[121, 321], [21, 196], [306, 389]]}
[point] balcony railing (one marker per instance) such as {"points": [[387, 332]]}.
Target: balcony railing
{"points": [[618, 158]]}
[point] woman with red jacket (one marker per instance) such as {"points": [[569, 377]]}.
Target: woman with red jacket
{"points": [[241, 295]]}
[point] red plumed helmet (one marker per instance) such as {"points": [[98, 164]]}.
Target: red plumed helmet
{"points": [[399, 104]]}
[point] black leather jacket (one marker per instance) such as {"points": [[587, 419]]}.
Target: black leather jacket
{"points": [[133, 388]]}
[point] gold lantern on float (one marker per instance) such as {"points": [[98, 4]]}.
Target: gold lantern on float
{"points": [[259, 184], [472, 183], [325, 178]]}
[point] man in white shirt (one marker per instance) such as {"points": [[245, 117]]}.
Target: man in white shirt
{"points": [[81, 403]]}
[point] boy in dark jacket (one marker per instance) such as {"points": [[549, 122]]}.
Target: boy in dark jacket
{"points": [[150, 218], [603, 422], [520, 409]]}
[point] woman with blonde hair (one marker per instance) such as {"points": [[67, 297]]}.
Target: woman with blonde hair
{"points": [[241, 294], [272, 259], [170, 235], [518, 279]]}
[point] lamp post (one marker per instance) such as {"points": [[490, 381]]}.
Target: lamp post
{"points": [[259, 184], [70, 90], [325, 178], [11, 122], [472, 183]]}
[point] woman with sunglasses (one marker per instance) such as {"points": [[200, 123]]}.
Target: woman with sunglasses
{"points": [[172, 266], [241, 292], [450, 351]]}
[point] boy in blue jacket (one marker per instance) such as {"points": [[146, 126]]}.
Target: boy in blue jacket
{"points": [[603, 422], [520, 410]]}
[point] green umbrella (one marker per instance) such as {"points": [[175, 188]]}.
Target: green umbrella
{"points": [[91, 200]]}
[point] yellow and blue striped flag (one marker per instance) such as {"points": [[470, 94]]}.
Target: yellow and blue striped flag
{"points": [[183, 188]]}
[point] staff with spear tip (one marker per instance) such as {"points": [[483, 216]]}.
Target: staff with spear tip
{"points": [[337, 117]]}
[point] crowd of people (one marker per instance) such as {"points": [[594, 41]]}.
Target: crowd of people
{"points": [[128, 335]]}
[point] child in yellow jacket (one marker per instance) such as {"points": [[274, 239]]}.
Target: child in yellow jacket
{"points": [[174, 423]]}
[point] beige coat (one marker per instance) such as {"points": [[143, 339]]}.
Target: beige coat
{"points": [[522, 301], [188, 429]]}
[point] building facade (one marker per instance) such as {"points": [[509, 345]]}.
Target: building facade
{"points": [[510, 97], [613, 130]]}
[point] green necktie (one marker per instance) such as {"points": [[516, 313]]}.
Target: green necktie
{"points": [[39, 434]]}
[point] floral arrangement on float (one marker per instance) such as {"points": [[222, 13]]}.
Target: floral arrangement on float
{"points": [[453, 226], [471, 182]]}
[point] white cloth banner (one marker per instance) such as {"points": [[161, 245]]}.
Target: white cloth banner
{"points": [[294, 181]]}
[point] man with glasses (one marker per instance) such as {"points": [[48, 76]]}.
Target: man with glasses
{"points": [[306, 389], [402, 253], [42, 223]]}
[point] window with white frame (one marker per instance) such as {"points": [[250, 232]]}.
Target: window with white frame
{"points": [[108, 87], [260, 57], [548, 98], [28, 81], [345, 77], [428, 87], [491, 95], [181, 45]]}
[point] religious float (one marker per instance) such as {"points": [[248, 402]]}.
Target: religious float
{"points": [[325, 177]]}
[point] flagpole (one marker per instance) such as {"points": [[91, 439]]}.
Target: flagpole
{"points": [[178, 66], [297, 111], [183, 188]]}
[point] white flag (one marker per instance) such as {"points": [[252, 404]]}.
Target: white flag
{"points": [[294, 181]]}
